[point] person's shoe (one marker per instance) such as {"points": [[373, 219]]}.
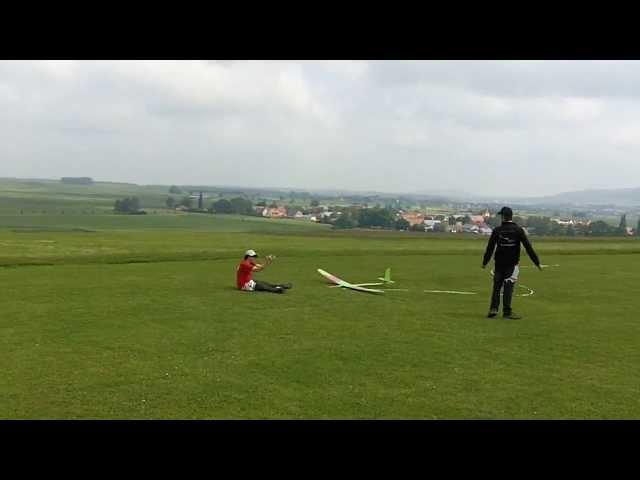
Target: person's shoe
{"points": [[492, 313], [511, 316], [279, 290]]}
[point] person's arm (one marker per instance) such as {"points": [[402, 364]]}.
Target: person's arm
{"points": [[259, 267], [529, 248], [491, 246]]}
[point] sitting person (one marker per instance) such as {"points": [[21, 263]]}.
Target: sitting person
{"points": [[244, 274]]}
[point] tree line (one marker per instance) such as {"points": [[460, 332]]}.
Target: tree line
{"points": [[129, 205], [544, 226], [376, 217], [236, 205]]}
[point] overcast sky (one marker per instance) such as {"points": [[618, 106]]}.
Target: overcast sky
{"points": [[487, 127]]}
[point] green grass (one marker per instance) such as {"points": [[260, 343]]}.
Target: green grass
{"points": [[175, 340], [127, 239], [108, 316]]}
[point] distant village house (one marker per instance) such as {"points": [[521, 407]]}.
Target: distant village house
{"points": [[414, 218], [278, 212]]}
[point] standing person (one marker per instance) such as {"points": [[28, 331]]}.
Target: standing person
{"points": [[244, 275], [505, 240]]}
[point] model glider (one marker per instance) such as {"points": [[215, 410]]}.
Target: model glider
{"points": [[360, 287]]}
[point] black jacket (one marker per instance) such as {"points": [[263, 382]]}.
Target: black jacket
{"points": [[506, 240]]}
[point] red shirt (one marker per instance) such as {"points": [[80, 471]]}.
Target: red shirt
{"points": [[244, 273]]}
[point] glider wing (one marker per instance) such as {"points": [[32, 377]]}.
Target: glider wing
{"points": [[341, 283]]}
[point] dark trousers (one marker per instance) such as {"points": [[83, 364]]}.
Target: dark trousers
{"points": [[499, 283], [267, 287]]}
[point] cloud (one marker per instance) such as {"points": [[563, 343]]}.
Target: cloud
{"points": [[597, 79], [483, 126]]}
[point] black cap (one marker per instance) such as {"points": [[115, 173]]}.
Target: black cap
{"points": [[506, 212]]}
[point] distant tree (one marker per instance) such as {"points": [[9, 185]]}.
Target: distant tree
{"points": [[241, 206], [186, 201], [171, 203], [127, 205], [622, 228], [401, 224], [541, 225], [261, 203], [134, 204], [452, 220], [638, 228], [222, 206], [557, 230], [314, 203], [600, 228], [201, 202], [345, 221], [273, 205], [581, 229], [175, 190], [375, 217]]}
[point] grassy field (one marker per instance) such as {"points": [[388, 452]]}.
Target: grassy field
{"points": [[50, 197], [108, 316]]}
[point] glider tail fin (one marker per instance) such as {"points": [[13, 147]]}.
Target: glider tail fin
{"points": [[387, 276]]}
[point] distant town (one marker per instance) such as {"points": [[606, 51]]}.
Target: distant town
{"points": [[407, 214]]}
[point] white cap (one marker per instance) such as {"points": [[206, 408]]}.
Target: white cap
{"points": [[251, 253]]}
